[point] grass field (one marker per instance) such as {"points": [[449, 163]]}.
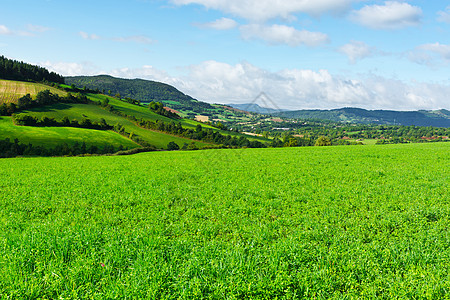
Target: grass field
{"points": [[10, 91], [52, 136], [95, 113], [314, 223]]}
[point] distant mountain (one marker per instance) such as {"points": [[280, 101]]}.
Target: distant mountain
{"points": [[140, 89], [253, 107], [437, 118]]}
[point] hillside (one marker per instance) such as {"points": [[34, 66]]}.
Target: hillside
{"points": [[96, 113], [54, 117], [139, 89], [11, 91], [147, 91], [440, 118], [50, 137]]}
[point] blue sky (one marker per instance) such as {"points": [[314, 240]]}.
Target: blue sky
{"points": [[302, 53]]}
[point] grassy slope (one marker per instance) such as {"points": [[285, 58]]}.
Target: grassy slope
{"points": [[141, 112], [10, 91], [52, 136], [95, 113], [316, 222]]}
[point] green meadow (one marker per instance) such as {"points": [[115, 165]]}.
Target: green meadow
{"points": [[344, 222], [96, 113], [52, 136]]}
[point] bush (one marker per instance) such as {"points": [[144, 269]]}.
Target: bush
{"points": [[173, 146]]}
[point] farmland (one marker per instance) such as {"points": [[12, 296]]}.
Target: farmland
{"points": [[10, 91], [315, 222]]}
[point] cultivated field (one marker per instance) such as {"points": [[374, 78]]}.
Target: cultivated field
{"points": [[315, 223], [11, 91]]}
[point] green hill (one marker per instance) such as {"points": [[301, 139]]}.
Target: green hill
{"points": [[95, 113], [11, 91], [440, 118], [50, 137], [139, 89], [147, 91], [53, 122]]}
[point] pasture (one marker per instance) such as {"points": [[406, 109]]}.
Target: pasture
{"points": [[288, 223], [50, 137], [96, 113]]}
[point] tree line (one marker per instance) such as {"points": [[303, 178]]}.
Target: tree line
{"points": [[14, 148], [28, 120], [18, 70], [43, 98]]}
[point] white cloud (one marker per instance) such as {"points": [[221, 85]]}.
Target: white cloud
{"points": [[218, 82], [5, 30], [37, 28], [146, 72], [356, 50], [268, 9], [32, 29], [140, 39], [391, 15], [431, 54], [220, 24], [88, 36], [307, 89], [444, 16], [282, 34], [442, 50], [71, 68]]}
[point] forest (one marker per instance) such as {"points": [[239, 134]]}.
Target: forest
{"points": [[17, 70]]}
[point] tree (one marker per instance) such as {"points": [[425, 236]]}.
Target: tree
{"points": [[323, 141], [173, 146], [25, 101]]}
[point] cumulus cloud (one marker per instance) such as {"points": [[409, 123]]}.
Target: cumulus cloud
{"points": [[444, 16], [307, 89], [5, 30], [218, 82], [71, 68], [356, 50], [391, 15], [268, 9], [282, 34], [145, 72], [430, 54], [220, 24]]}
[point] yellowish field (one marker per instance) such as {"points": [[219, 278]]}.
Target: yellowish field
{"points": [[11, 91]]}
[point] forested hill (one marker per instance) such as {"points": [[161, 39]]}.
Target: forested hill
{"points": [[17, 70], [438, 118], [139, 89]]}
